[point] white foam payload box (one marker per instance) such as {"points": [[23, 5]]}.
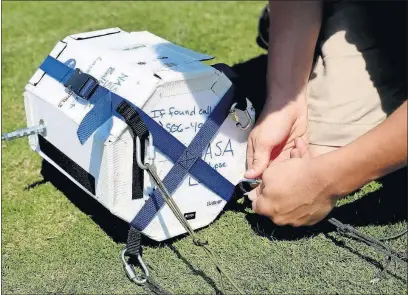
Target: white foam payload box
{"points": [[172, 85]]}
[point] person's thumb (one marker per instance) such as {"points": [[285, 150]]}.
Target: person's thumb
{"points": [[259, 163], [302, 147]]}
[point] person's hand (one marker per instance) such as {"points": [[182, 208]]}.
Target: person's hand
{"points": [[273, 136], [298, 191]]}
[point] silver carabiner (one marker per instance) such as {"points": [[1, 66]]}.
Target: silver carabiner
{"points": [[130, 272], [233, 113], [151, 153]]}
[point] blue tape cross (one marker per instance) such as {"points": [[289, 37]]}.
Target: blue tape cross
{"points": [[187, 160]]}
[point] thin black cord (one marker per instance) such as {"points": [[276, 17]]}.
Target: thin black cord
{"points": [[391, 254], [395, 236]]}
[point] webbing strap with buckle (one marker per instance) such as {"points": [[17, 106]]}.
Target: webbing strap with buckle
{"points": [[187, 159], [85, 86], [81, 84]]}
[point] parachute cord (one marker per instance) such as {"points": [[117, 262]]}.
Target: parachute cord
{"points": [[377, 244], [179, 215]]}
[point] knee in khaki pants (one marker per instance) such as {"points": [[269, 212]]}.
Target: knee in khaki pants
{"points": [[354, 85]]}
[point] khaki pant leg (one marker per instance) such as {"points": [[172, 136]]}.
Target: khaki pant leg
{"points": [[353, 86]]}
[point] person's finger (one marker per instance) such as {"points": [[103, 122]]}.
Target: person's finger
{"points": [[295, 153], [302, 147], [262, 206], [254, 204], [260, 161], [250, 154], [283, 156], [255, 193], [252, 195]]}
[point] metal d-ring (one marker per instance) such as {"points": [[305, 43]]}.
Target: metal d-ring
{"points": [[234, 115], [150, 152], [130, 272]]}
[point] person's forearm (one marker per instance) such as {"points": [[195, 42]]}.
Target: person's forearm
{"points": [[373, 155], [293, 32]]}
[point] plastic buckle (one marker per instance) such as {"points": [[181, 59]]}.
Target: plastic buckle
{"points": [[81, 84]]}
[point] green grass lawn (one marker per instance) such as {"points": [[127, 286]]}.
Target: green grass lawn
{"points": [[56, 242]]}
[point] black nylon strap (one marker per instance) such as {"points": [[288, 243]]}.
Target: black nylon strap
{"points": [[69, 166], [239, 96], [133, 247], [139, 129], [133, 242]]}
